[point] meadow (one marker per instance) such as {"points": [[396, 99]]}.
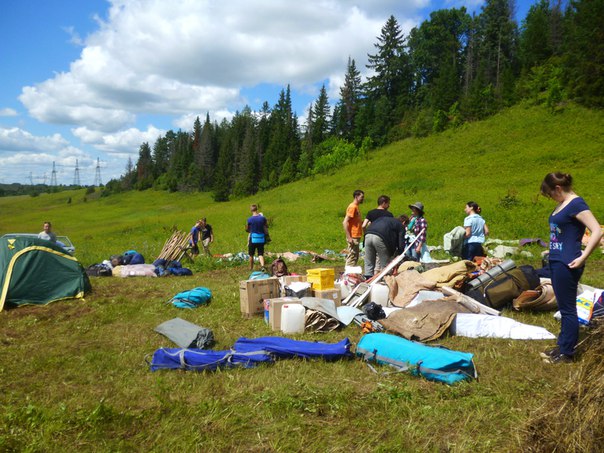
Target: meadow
{"points": [[74, 376]]}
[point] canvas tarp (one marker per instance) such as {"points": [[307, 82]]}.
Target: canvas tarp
{"points": [[36, 271]]}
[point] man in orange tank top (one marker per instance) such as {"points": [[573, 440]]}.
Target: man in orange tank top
{"points": [[352, 224]]}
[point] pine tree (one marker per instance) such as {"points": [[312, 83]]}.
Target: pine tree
{"points": [[498, 39], [391, 84], [144, 168], [438, 56], [321, 117], [535, 42], [206, 153], [347, 108]]}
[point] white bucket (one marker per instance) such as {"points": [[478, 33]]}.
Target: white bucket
{"points": [[292, 318], [379, 294]]}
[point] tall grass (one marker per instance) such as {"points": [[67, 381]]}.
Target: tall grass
{"points": [[73, 375]]}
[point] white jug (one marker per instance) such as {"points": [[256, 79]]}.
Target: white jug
{"points": [[293, 318], [379, 294]]}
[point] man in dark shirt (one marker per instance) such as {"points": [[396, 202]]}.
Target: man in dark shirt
{"points": [[381, 211], [207, 236], [384, 239]]}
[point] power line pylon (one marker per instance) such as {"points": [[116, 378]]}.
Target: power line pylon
{"points": [[76, 175], [53, 176], [97, 175]]}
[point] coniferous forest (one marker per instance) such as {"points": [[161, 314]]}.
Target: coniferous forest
{"points": [[451, 69]]}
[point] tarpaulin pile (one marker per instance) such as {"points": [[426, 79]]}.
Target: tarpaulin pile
{"points": [[248, 353]]}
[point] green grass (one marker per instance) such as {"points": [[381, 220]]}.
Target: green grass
{"points": [[73, 375]]}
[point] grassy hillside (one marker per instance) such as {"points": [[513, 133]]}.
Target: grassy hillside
{"points": [[498, 163], [73, 374]]}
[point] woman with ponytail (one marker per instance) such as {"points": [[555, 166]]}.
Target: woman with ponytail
{"points": [[476, 230], [567, 224]]}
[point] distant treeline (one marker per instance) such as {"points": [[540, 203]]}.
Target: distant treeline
{"points": [[7, 190], [451, 69]]}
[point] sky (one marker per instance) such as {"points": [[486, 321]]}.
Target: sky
{"points": [[84, 83]]}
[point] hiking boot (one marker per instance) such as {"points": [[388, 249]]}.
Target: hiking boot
{"points": [[559, 358], [550, 352]]}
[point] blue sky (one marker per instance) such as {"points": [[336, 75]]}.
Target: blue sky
{"points": [[89, 81]]}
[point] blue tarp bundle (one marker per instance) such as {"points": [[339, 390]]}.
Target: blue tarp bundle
{"points": [[285, 348], [247, 353], [202, 359]]}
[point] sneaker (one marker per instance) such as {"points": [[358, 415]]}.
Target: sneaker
{"points": [[559, 358], [263, 269], [550, 352]]}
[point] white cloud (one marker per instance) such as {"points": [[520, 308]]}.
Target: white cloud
{"points": [[16, 139], [185, 58], [8, 112], [124, 142], [189, 56]]}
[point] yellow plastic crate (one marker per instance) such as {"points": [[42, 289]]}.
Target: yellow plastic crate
{"points": [[321, 278]]}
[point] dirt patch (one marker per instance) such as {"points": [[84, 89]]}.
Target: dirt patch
{"points": [[57, 310]]}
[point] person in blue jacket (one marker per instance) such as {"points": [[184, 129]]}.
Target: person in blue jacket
{"points": [[194, 236], [567, 224]]}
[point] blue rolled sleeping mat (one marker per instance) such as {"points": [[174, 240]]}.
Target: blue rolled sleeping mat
{"points": [[433, 363]]}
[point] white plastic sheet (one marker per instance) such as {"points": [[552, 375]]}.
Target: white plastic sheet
{"points": [[487, 326]]}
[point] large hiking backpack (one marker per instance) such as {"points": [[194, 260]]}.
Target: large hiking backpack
{"points": [[279, 268], [192, 298], [499, 291]]}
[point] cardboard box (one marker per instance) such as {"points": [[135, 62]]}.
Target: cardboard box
{"points": [[321, 278], [331, 294], [253, 292], [287, 279], [272, 310]]}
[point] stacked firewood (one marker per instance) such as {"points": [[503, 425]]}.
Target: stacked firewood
{"points": [[175, 247]]}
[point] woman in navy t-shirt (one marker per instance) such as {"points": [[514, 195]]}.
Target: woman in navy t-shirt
{"points": [[567, 225]]}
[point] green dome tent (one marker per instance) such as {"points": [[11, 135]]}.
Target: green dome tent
{"points": [[36, 271]]}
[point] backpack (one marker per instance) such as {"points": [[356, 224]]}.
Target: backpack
{"points": [[192, 298], [279, 268], [501, 290], [99, 270], [132, 257]]}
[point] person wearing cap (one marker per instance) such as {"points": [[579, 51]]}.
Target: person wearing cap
{"points": [[353, 227], [417, 228]]}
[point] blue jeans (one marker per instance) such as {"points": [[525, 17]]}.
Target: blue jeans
{"points": [[565, 282]]}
